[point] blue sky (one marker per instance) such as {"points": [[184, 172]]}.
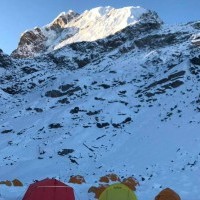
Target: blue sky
{"points": [[16, 16]]}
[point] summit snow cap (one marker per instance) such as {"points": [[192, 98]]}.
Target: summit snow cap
{"points": [[112, 14], [101, 22]]}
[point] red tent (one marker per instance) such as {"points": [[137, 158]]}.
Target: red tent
{"points": [[49, 189]]}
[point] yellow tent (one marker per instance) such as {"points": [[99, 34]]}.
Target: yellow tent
{"points": [[118, 192]]}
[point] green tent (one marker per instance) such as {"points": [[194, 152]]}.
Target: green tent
{"points": [[118, 192]]}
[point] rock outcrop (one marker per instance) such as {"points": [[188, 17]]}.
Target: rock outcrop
{"points": [[37, 41], [5, 60]]}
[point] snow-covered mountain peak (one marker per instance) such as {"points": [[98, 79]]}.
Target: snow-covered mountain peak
{"points": [[117, 19], [91, 25], [101, 22], [108, 11], [97, 12]]}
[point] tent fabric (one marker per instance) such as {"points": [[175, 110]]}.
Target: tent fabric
{"points": [[49, 189], [118, 192]]}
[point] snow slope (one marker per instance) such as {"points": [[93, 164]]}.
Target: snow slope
{"points": [[126, 104]]}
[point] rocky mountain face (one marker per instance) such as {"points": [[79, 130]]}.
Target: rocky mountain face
{"points": [[5, 60], [127, 102], [35, 42]]}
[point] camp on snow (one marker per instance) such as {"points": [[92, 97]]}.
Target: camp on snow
{"points": [[49, 189]]}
